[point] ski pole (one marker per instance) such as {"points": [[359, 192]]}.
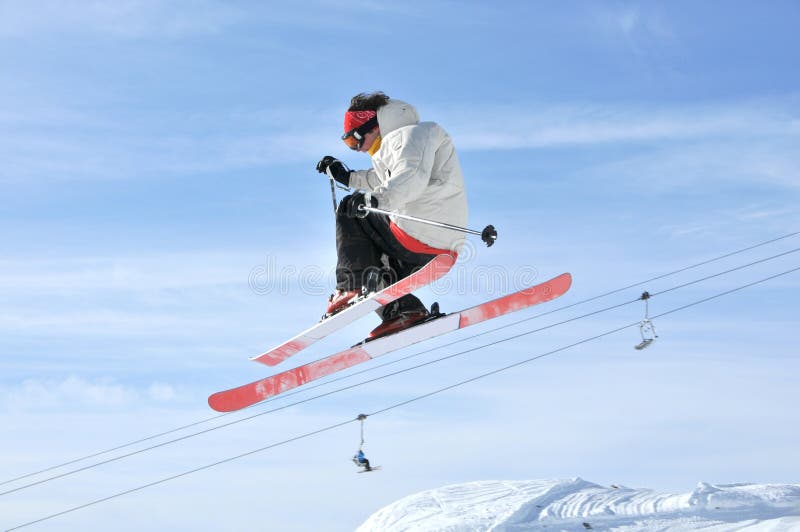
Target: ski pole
{"points": [[488, 235], [333, 194]]}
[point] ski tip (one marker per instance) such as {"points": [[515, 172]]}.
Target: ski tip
{"points": [[560, 284], [217, 403]]}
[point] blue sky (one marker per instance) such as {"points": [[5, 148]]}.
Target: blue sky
{"points": [[158, 158]]}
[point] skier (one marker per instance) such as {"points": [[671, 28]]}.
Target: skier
{"points": [[415, 171], [361, 460]]}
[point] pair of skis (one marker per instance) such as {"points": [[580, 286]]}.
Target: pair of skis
{"points": [[254, 392]]}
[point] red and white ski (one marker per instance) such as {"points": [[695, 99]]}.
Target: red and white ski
{"points": [[429, 273], [249, 394]]}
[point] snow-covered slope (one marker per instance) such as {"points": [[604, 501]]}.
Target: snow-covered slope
{"points": [[579, 505]]}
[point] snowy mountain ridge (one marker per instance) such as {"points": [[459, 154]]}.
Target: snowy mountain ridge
{"points": [[575, 504]]}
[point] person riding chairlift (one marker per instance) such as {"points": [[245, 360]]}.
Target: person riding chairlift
{"points": [[361, 460]]}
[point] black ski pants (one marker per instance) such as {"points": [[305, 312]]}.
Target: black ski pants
{"points": [[366, 246]]}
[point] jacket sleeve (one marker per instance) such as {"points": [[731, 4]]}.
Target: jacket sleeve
{"points": [[364, 179], [411, 165]]}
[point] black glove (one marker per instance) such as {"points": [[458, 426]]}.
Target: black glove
{"points": [[339, 171], [353, 203]]}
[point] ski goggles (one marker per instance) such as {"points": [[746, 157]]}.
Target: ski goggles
{"points": [[355, 137]]}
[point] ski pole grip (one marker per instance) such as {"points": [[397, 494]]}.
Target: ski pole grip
{"points": [[489, 235]]}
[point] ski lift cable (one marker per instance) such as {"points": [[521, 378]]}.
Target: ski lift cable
{"points": [[111, 450], [585, 340], [169, 442], [368, 381], [725, 293], [402, 403], [737, 268], [331, 392], [553, 311], [571, 305], [330, 381], [309, 399], [460, 340], [184, 474]]}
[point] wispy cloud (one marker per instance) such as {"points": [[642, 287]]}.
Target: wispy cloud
{"points": [[99, 392], [66, 145], [68, 275], [528, 125], [172, 19], [707, 162], [160, 295], [659, 146], [78, 145], [643, 27], [129, 19], [721, 225]]}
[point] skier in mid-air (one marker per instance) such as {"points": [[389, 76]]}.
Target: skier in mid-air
{"points": [[404, 223], [415, 172]]}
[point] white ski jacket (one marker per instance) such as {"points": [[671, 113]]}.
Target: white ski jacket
{"points": [[416, 172]]}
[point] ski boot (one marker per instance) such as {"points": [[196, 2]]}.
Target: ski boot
{"points": [[398, 315], [340, 301]]}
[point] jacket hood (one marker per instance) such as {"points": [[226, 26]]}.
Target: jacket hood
{"points": [[396, 114]]}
